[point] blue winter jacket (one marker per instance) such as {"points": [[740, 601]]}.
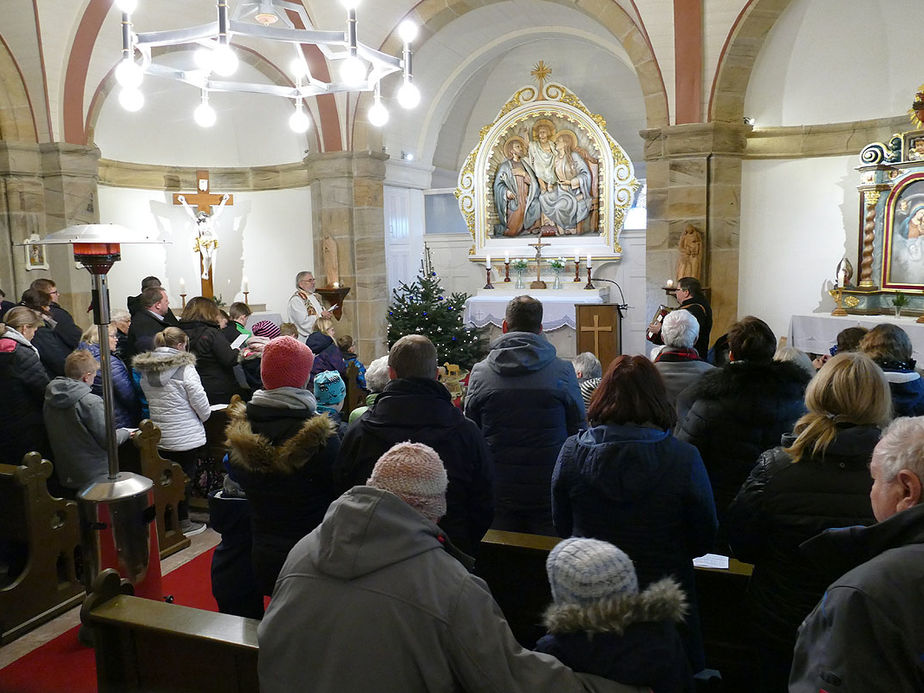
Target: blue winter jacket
{"points": [[646, 492], [526, 401], [126, 404]]}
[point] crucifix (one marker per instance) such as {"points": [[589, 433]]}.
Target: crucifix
{"points": [[538, 245], [596, 329], [206, 240]]}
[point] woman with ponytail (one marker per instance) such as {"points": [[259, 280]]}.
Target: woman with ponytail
{"points": [[817, 479]]}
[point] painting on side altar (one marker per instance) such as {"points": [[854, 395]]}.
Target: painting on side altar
{"points": [[546, 168], [904, 234]]}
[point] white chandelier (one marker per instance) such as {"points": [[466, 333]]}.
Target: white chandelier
{"points": [[361, 68]]}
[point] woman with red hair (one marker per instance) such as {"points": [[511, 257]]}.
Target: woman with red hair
{"points": [[628, 481]]}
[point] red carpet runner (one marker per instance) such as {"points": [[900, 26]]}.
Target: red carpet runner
{"points": [[64, 666]]}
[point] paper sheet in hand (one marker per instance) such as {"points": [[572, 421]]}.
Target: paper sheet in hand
{"points": [[239, 342], [711, 560]]}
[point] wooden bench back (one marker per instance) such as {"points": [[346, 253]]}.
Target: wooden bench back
{"points": [[47, 531]]}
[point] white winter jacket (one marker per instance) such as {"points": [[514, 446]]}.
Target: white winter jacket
{"points": [[176, 399]]}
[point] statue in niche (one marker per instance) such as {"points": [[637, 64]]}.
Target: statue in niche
{"points": [[330, 255], [691, 253]]}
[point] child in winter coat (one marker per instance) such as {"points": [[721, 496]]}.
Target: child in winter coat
{"points": [[75, 419], [600, 624], [330, 391]]}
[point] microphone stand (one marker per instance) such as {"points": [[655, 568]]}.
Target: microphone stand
{"points": [[622, 305]]}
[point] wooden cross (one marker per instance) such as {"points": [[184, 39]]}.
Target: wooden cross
{"points": [[203, 200], [596, 329], [538, 245]]}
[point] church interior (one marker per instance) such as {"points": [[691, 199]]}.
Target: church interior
{"points": [[744, 119]]}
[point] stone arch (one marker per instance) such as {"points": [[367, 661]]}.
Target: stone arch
{"points": [[434, 15], [17, 120], [742, 45]]}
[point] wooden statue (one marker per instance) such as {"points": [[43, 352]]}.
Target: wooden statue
{"points": [[331, 261], [691, 253]]}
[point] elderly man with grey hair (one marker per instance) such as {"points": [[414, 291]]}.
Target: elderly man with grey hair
{"points": [[866, 634], [678, 362], [589, 372], [304, 306]]}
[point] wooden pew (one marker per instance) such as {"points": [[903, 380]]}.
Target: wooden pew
{"points": [[147, 645], [513, 565], [48, 529], [140, 455]]}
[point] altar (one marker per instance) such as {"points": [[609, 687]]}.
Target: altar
{"points": [[817, 333], [487, 308]]}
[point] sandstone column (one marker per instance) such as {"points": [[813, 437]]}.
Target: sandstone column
{"points": [[694, 177], [347, 205]]}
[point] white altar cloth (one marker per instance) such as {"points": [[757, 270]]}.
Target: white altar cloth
{"points": [[817, 333], [489, 306]]}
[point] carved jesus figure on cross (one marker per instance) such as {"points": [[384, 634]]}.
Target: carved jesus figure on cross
{"points": [[206, 239]]}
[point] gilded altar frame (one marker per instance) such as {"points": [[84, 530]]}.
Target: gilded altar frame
{"points": [[612, 191]]}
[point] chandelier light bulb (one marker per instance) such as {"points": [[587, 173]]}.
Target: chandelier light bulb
{"points": [[204, 115], [204, 57], [131, 99], [353, 71], [378, 114], [407, 30], [224, 60], [299, 68], [408, 95], [127, 6], [299, 121], [129, 74], [349, 4]]}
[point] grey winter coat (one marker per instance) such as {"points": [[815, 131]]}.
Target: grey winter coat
{"points": [[76, 423], [372, 601], [176, 399]]}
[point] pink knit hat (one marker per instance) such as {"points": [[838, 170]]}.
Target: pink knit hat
{"points": [[414, 473], [286, 362], [266, 328]]}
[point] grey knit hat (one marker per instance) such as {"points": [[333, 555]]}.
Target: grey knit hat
{"points": [[414, 472], [582, 571]]}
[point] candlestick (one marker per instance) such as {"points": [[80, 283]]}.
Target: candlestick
{"points": [[246, 294], [590, 284], [183, 298], [577, 268], [506, 269], [487, 271]]}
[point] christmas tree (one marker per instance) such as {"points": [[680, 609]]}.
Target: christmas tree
{"points": [[423, 308]]}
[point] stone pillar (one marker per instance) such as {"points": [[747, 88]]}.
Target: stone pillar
{"points": [[43, 188], [694, 177], [347, 205]]}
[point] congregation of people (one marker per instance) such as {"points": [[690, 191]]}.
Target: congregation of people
{"points": [[363, 525]]}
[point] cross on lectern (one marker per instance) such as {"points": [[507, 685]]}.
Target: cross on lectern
{"points": [[203, 200], [596, 329]]}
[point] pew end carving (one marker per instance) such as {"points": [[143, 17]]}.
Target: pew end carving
{"points": [[41, 534]]}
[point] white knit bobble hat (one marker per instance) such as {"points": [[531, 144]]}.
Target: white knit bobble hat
{"points": [[582, 571], [414, 473]]}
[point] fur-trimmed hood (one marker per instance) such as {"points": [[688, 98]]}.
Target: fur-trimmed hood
{"points": [[163, 359], [662, 601], [780, 378], [256, 453]]}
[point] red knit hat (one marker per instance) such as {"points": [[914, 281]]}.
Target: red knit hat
{"points": [[286, 362]]}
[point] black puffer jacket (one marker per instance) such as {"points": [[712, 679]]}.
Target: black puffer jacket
{"points": [[421, 411], [22, 381], [737, 412], [283, 459], [783, 504], [52, 348], [215, 360]]}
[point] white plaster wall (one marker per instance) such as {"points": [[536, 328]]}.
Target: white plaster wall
{"points": [[808, 73], [265, 236], [798, 219]]}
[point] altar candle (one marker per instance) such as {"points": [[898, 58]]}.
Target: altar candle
{"points": [[487, 262], [577, 257], [507, 258], [182, 285], [589, 265], [245, 285]]}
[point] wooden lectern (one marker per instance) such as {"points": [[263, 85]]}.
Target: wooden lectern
{"points": [[599, 330]]}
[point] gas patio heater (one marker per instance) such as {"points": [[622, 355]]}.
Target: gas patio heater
{"points": [[117, 511]]}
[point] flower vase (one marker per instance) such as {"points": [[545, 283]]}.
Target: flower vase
{"points": [[898, 311], [519, 282], [557, 283]]}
